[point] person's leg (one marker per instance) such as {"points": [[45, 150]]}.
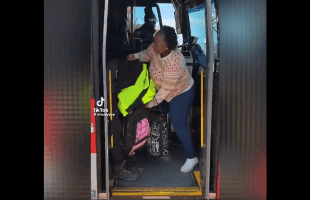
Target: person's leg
{"points": [[115, 128], [118, 158], [179, 110], [165, 107], [117, 154]]}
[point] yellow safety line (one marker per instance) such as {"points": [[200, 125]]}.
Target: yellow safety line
{"points": [[160, 191], [201, 82], [198, 193], [190, 191], [110, 103], [156, 189], [197, 176]]}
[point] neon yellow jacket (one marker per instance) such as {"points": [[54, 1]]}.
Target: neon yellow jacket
{"points": [[130, 94]]}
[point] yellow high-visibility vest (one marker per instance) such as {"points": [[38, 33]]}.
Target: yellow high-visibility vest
{"points": [[130, 94]]}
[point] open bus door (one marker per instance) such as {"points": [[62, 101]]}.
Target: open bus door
{"points": [[165, 181]]}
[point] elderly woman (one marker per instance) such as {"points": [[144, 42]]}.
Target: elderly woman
{"points": [[173, 83]]}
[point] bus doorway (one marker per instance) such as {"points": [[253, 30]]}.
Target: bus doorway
{"points": [[160, 176]]}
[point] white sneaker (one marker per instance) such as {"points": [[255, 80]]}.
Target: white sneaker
{"points": [[189, 165]]}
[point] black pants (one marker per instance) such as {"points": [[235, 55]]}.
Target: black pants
{"points": [[164, 107], [117, 155], [116, 152]]}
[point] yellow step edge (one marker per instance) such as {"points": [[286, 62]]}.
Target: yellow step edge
{"points": [[199, 193], [160, 191], [197, 178], [148, 189], [156, 197]]}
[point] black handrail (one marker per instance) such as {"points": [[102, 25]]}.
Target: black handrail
{"points": [[159, 16]]}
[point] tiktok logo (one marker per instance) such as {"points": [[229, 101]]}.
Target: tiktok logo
{"points": [[101, 111], [100, 102]]}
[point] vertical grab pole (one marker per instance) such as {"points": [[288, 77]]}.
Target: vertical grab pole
{"points": [[110, 89], [210, 89], [159, 16], [201, 104], [104, 71]]}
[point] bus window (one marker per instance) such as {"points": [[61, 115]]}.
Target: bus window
{"points": [[129, 26], [168, 19], [167, 15], [198, 25], [138, 17], [144, 37], [215, 30]]}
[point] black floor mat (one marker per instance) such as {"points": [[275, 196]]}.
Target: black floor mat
{"points": [[161, 171]]}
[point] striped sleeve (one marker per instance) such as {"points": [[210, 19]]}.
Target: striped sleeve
{"points": [[170, 79], [172, 73]]}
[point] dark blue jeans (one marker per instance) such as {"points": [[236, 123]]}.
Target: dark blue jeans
{"points": [[179, 108]]}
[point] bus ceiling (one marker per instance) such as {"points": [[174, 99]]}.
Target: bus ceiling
{"points": [[138, 2], [188, 3]]}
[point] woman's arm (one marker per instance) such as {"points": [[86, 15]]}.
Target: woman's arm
{"points": [[145, 55], [159, 97]]}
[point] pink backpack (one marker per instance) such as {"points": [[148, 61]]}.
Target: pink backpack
{"points": [[143, 130]]}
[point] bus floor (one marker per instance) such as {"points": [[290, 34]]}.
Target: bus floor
{"points": [[162, 171]]}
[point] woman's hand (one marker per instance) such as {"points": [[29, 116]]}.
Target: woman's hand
{"points": [[131, 57]]}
